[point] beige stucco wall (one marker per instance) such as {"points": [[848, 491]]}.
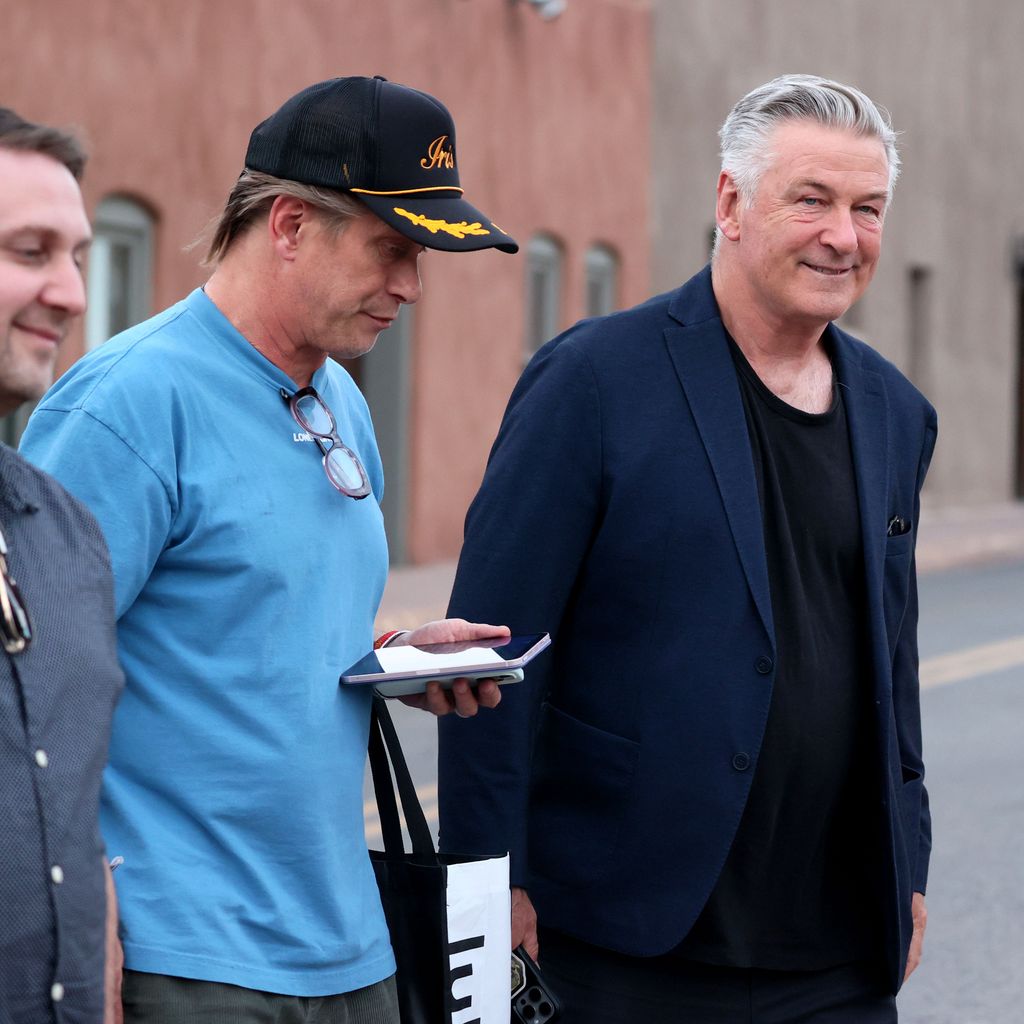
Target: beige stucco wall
{"points": [[552, 122], [951, 73]]}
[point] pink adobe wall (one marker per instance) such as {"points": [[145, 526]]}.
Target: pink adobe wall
{"points": [[553, 135], [563, 109]]}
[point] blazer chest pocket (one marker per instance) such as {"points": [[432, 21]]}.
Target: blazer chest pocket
{"points": [[899, 545], [579, 799], [896, 584]]}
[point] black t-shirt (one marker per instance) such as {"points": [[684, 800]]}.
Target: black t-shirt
{"points": [[799, 888]]}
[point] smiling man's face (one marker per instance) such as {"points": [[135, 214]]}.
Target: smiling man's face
{"points": [[44, 235], [808, 244]]}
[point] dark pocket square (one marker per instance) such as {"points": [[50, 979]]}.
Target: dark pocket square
{"points": [[897, 527]]}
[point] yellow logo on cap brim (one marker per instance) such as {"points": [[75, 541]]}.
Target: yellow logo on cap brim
{"points": [[460, 230]]}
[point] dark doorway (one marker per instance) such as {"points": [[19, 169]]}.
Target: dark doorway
{"points": [[1019, 278], [384, 376], [919, 328]]}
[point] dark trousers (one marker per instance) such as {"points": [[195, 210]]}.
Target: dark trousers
{"points": [[160, 999], [597, 986]]}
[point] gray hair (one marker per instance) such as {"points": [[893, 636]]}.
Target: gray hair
{"points": [[254, 193], [745, 135]]}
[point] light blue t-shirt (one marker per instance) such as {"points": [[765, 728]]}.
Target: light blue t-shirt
{"points": [[245, 583]]}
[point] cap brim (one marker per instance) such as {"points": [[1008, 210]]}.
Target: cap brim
{"points": [[440, 222]]}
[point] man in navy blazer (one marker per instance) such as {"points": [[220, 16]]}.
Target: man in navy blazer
{"points": [[712, 784]]}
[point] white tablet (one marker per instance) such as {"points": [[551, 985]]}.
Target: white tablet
{"points": [[400, 671]]}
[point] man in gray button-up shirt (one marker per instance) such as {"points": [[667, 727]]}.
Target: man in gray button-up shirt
{"points": [[59, 676]]}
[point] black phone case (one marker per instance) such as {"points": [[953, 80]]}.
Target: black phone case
{"points": [[533, 1002]]}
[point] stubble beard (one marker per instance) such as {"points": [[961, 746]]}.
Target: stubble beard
{"points": [[19, 381]]}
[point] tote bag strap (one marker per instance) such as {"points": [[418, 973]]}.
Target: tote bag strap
{"points": [[384, 746]]}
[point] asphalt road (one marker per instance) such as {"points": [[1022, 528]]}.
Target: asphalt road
{"points": [[973, 969], [972, 651]]}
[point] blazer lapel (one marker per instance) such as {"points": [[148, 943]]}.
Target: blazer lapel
{"points": [[700, 354], [867, 413]]}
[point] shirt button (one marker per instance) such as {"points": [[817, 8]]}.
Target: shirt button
{"points": [[741, 762], [764, 664], [41, 759], [57, 874], [56, 991]]}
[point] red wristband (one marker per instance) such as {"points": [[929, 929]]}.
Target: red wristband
{"points": [[385, 638]]}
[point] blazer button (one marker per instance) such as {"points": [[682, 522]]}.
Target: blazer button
{"points": [[741, 762], [764, 664]]}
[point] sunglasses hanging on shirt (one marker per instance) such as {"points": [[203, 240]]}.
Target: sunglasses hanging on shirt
{"points": [[15, 624]]}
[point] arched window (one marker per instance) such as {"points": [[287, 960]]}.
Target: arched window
{"points": [[119, 285], [543, 291], [602, 269]]}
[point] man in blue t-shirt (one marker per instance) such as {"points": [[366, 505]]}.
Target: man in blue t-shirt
{"points": [[247, 576]]}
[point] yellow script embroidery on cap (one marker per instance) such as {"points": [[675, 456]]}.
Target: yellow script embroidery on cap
{"points": [[438, 155], [459, 230]]}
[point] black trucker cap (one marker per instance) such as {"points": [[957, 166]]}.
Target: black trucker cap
{"points": [[390, 146]]}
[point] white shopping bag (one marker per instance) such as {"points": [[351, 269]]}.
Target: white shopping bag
{"points": [[479, 941]]}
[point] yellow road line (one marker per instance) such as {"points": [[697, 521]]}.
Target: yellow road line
{"points": [[972, 662]]}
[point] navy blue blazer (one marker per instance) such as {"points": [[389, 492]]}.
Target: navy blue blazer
{"points": [[620, 512]]}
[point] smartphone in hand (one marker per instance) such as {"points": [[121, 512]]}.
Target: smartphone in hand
{"points": [[533, 1002]]}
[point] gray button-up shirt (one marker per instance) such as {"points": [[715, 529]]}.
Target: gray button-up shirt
{"points": [[56, 702]]}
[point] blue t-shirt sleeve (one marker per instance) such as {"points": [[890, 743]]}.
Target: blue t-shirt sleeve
{"points": [[127, 497]]}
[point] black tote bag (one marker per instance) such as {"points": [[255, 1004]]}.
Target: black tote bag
{"points": [[438, 974]]}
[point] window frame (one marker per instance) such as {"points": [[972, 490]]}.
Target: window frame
{"points": [[545, 262], [125, 224]]}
